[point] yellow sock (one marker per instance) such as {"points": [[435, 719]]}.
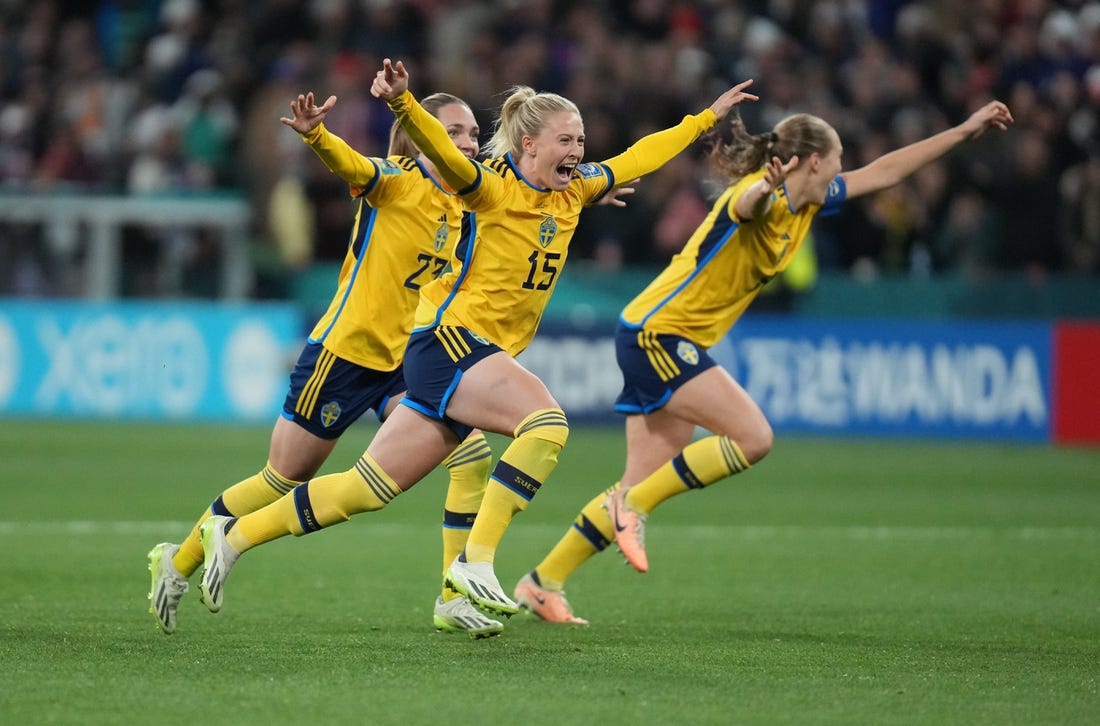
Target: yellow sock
{"points": [[590, 533], [522, 468], [320, 502], [468, 465], [699, 465], [245, 496]]}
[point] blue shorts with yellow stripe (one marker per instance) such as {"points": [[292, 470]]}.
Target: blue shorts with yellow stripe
{"points": [[654, 365], [435, 360], [328, 394]]}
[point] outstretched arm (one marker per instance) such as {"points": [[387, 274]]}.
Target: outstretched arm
{"points": [[391, 84], [651, 152], [889, 169], [342, 160]]}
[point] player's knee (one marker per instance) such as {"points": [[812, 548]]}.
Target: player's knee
{"points": [[756, 444]]}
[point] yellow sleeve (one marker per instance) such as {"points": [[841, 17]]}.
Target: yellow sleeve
{"points": [[650, 153], [345, 162], [430, 136]]}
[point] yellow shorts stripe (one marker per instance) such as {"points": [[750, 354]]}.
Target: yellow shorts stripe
{"points": [[452, 341], [658, 357], [460, 343], [307, 399]]}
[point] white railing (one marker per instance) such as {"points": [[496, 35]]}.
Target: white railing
{"points": [[62, 217]]}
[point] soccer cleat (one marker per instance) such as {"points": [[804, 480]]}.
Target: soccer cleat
{"points": [[629, 529], [459, 616], [168, 586], [549, 605], [218, 558], [478, 582]]}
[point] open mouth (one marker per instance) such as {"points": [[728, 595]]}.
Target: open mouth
{"points": [[565, 171]]}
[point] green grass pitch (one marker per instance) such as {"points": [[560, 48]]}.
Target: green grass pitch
{"points": [[838, 582]]}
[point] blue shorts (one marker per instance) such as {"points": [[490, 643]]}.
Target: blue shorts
{"points": [[328, 394], [435, 360], [654, 365]]}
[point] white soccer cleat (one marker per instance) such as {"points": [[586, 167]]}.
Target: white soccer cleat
{"points": [[219, 559], [167, 588], [478, 582], [459, 616], [549, 605]]}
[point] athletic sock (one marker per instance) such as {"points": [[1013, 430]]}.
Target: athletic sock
{"points": [[589, 534], [247, 495], [320, 502], [518, 475], [468, 466], [699, 465]]}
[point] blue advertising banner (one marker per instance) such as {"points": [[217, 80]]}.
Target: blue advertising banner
{"points": [[181, 361], [950, 379], [207, 361]]}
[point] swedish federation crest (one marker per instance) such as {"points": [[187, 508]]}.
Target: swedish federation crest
{"points": [[687, 352], [329, 413], [441, 234], [547, 230]]}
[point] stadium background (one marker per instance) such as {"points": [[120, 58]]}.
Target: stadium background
{"points": [[144, 171]]}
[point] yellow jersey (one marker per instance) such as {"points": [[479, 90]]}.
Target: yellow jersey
{"points": [[405, 233], [711, 281], [517, 239]]}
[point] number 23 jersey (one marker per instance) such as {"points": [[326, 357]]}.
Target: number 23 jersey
{"points": [[405, 233]]}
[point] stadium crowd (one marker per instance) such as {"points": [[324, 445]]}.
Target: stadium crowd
{"points": [[147, 97]]}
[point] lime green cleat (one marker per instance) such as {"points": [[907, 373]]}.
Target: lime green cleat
{"points": [[459, 616]]}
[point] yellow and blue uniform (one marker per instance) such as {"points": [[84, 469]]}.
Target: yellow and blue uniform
{"points": [[513, 248], [405, 233], [406, 229], [665, 331]]}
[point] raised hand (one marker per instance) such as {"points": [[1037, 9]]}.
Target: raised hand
{"points": [[775, 173], [731, 98], [391, 81], [615, 197], [307, 114], [994, 113]]}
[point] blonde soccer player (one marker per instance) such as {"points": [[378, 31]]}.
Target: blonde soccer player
{"points": [[779, 181], [404, 236], [470, 324]]}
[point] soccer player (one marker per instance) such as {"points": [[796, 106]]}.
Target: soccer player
{"points": [[779, 181], [405, 233], [471, 323]]}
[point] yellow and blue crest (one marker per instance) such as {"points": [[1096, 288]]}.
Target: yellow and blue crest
{"points": [[442, 234], [687, 352], [547, 230], [329, 413]]}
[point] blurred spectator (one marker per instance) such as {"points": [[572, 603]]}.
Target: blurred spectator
{"points": [[1080, 228], [154, 96]]}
